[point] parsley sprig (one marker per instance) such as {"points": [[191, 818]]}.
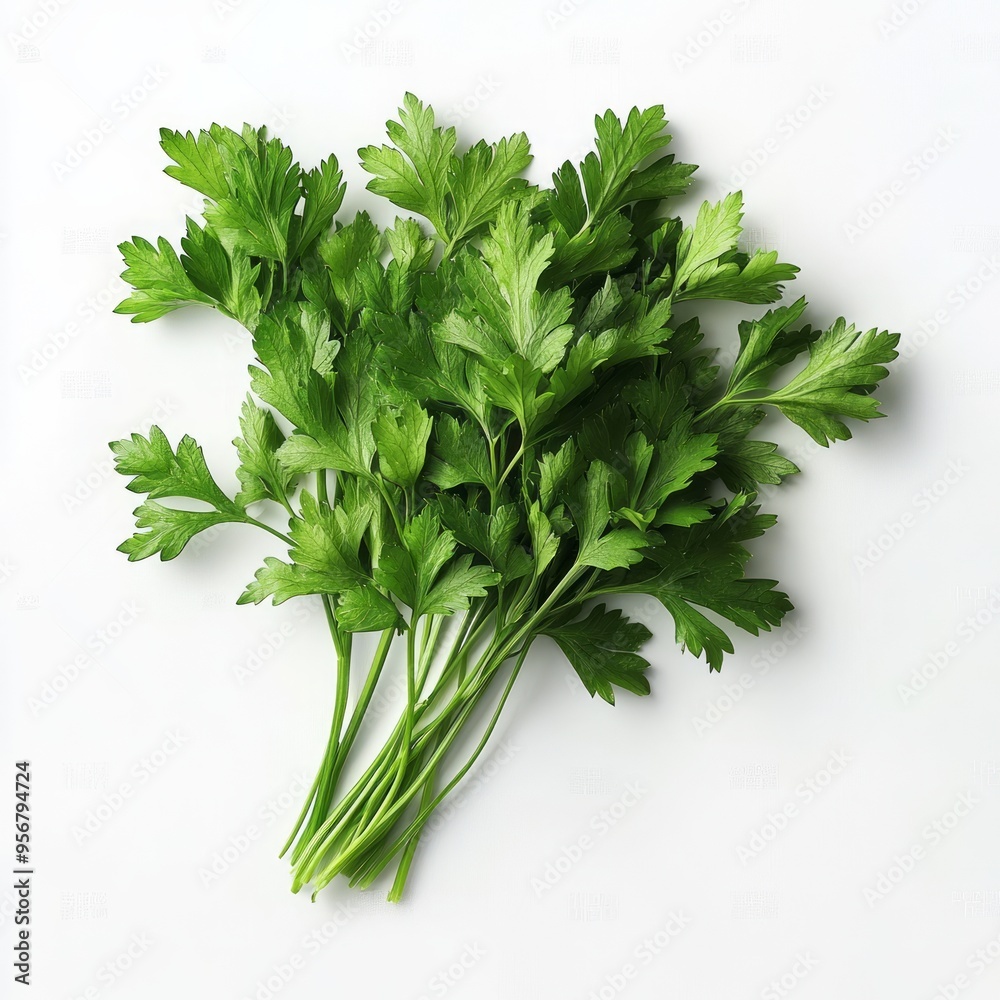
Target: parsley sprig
{"points": [[482, 425]]}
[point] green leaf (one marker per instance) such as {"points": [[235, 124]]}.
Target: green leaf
{"points": [[558, 470], [544, 540], [675, 461], [326, 542], [662, 179], [261, 474], [747, 463], [256, 215], [417, 182], [301, 453], [495, 535], [344, 252], [414, 572], [602, 649], [715, 232], [324, 194], [607, 175], [410, 249], [161, 472], [533, 323], [169, 530], [457, 585], [282, 581], [366, 609], [409, 571], [844, 366], [703, 567], [401, 438], [766, 344], [161, 284], [289, 381], [484, 178], [229, 280], [460, 454], [736, 277], [617, 549], [695, 632], [198, 162]]}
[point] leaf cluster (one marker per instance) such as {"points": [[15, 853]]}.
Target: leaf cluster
{"points": [[495, 395]]}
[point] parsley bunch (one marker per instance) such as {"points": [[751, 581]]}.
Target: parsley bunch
{"points": [[481, 426]]}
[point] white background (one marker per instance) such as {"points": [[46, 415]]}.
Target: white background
{"points": [[864, 138]]}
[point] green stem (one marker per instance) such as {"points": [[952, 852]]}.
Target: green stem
{"points": [[340, 753], [360, 844], [396, 892], [365, 791], [411, 835], [267, 527], [389, 814], [390, 503], [411, 701], [344, 645]]}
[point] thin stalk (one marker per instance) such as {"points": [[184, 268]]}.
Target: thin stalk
{"points": [[396, 892], [339, 707], [273, 531], [389, 817], [411, 835], [411, 700], [390, 503], [340, 753], [368, 792], [318, 798], [359, 845], [365, 790]]}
